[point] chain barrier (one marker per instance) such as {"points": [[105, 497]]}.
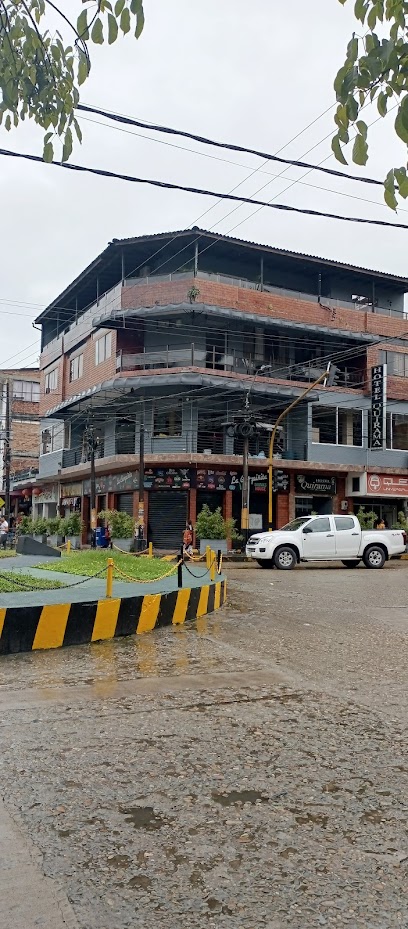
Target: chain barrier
{"points": [[150, 580], [195, 557], [207, 570], [134, 554], [19, 583]]}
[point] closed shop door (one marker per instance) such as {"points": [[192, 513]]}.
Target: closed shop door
{"points": [[167, 518], [125, 503]]}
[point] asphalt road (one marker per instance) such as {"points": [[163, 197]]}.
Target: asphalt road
{"points": [[248, 770]]}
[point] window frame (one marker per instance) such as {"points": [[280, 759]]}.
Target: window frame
{"points": [[342, 519], [338, 409], [27, 386], [175, 410], [76, 367], [103, 348], [51, 375]]}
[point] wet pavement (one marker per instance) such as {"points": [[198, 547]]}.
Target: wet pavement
{"points": [[247, 770]]}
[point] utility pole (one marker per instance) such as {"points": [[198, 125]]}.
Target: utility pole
{"points": [[92, 445], [140, 538], [7, 450], [245, 490]]}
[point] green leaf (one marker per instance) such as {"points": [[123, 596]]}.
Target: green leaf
{"points": [[78, 129], [82, 25], [382, 103], [362, 128], [352, 109], [83, 69], [404, 111], [400, 127], [352, 50], [97, 32], [337, 150], [125, 21], [7, 122], [360, 8], [47, 137], [360, 150], [119, 7], [139, 24], [67, 149], [390, 199], [372, 18], [112, 29], [48, 152]]}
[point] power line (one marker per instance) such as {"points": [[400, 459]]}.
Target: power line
{"points": [[127, 120], [167, 185]]}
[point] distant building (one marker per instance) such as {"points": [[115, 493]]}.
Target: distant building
{"points": [[24, 393]]}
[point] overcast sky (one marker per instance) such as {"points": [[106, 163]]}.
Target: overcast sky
{"points": [[254, 74]]}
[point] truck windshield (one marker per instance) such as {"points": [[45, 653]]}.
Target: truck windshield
{"points": [[296, 524]]}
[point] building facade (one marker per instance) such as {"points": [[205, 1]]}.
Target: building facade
{"points": [[177, 334], [24, 399]]}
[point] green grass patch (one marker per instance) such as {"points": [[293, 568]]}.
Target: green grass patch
{"points": [[90, 562], [7, 553], [12, 582]]}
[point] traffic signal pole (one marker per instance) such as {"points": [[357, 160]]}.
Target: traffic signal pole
{"points": [[330, 370]]}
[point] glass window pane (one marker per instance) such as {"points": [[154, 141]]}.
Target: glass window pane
{"points": [[320, 525], [399, 431], [324, 425], [344, 522]]}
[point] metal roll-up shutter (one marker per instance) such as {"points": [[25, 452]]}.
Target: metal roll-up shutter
{"points": [[125, 503], [167, 518]]}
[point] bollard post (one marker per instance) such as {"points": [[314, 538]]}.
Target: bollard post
{"points": [[219, 561], [180, 570], [68, 546], [109, 578], [207, 556], [150, 549], [212, 566]]}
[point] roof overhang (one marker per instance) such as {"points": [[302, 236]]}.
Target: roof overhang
{"points": [[106, 396], [119, 319]]}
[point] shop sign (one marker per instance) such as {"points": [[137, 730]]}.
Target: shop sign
{"points": [[114, 483], [70, 501], [167, 479], [71, 490], [48, 496], [387, 485], [315, 484], [233, 480], [378, 406]]}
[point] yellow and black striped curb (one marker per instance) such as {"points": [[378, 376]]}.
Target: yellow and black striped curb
{"points": [[28, 628]]}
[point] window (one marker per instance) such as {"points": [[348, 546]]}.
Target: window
{"points": [[103, 347], [335, 426], [397, 364], [167, 421], [397, 431], [76, 367], [343, 522], [51, 380], [26, 390], [320, 525]]}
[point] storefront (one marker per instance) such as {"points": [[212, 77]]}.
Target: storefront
{"points": [[168, 505], [384, 494], [45, 502], [314, 493], [70, 498]]}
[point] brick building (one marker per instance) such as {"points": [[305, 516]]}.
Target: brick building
{"points": [[178, 330], [24, 394]]}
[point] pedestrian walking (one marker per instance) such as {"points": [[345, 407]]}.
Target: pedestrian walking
{"points": [[188, 539], [4, 528]]}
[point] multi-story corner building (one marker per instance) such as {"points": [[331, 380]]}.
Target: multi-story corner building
{"points": [[23, 388], [181, 330]]}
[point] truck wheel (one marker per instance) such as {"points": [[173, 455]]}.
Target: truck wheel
{"points": [[374, 557], [351, 564], [285, 558], [266, 563]]}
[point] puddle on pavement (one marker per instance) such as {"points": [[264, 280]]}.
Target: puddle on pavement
{"points": [[239, 796], [140, 882], [143, 817]]}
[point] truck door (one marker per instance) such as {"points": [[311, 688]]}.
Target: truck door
{"points": [[348, 537], [318, 539]]}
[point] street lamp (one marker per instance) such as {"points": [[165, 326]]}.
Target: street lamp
{"points": [[328, 377]]}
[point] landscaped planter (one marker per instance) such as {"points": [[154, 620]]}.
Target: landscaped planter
{"points": [[55, 540], [217, 545], [75, 541], [124, 544]]}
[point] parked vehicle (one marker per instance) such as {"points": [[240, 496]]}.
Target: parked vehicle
{"points": [[325, 538]]}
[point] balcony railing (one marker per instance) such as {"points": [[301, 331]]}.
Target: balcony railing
{"points": [[213, 359]]}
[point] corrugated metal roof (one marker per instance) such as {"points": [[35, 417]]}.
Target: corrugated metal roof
{"points": [[196, 232]]}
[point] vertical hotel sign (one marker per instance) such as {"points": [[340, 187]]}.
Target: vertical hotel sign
{"points": [[378, 406]]}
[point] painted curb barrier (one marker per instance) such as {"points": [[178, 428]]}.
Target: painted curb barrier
{"points": [[29, 628]]}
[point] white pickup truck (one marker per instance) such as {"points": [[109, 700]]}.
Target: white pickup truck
{"points": [[325, 538]]}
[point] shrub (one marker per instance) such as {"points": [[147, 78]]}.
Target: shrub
{"points": [[366, 518], [121, 525], [212, 525], [25, 527], [73, 524], [55, 525]]}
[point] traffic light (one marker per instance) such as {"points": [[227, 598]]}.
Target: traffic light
{"points": [[245, 428]]}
